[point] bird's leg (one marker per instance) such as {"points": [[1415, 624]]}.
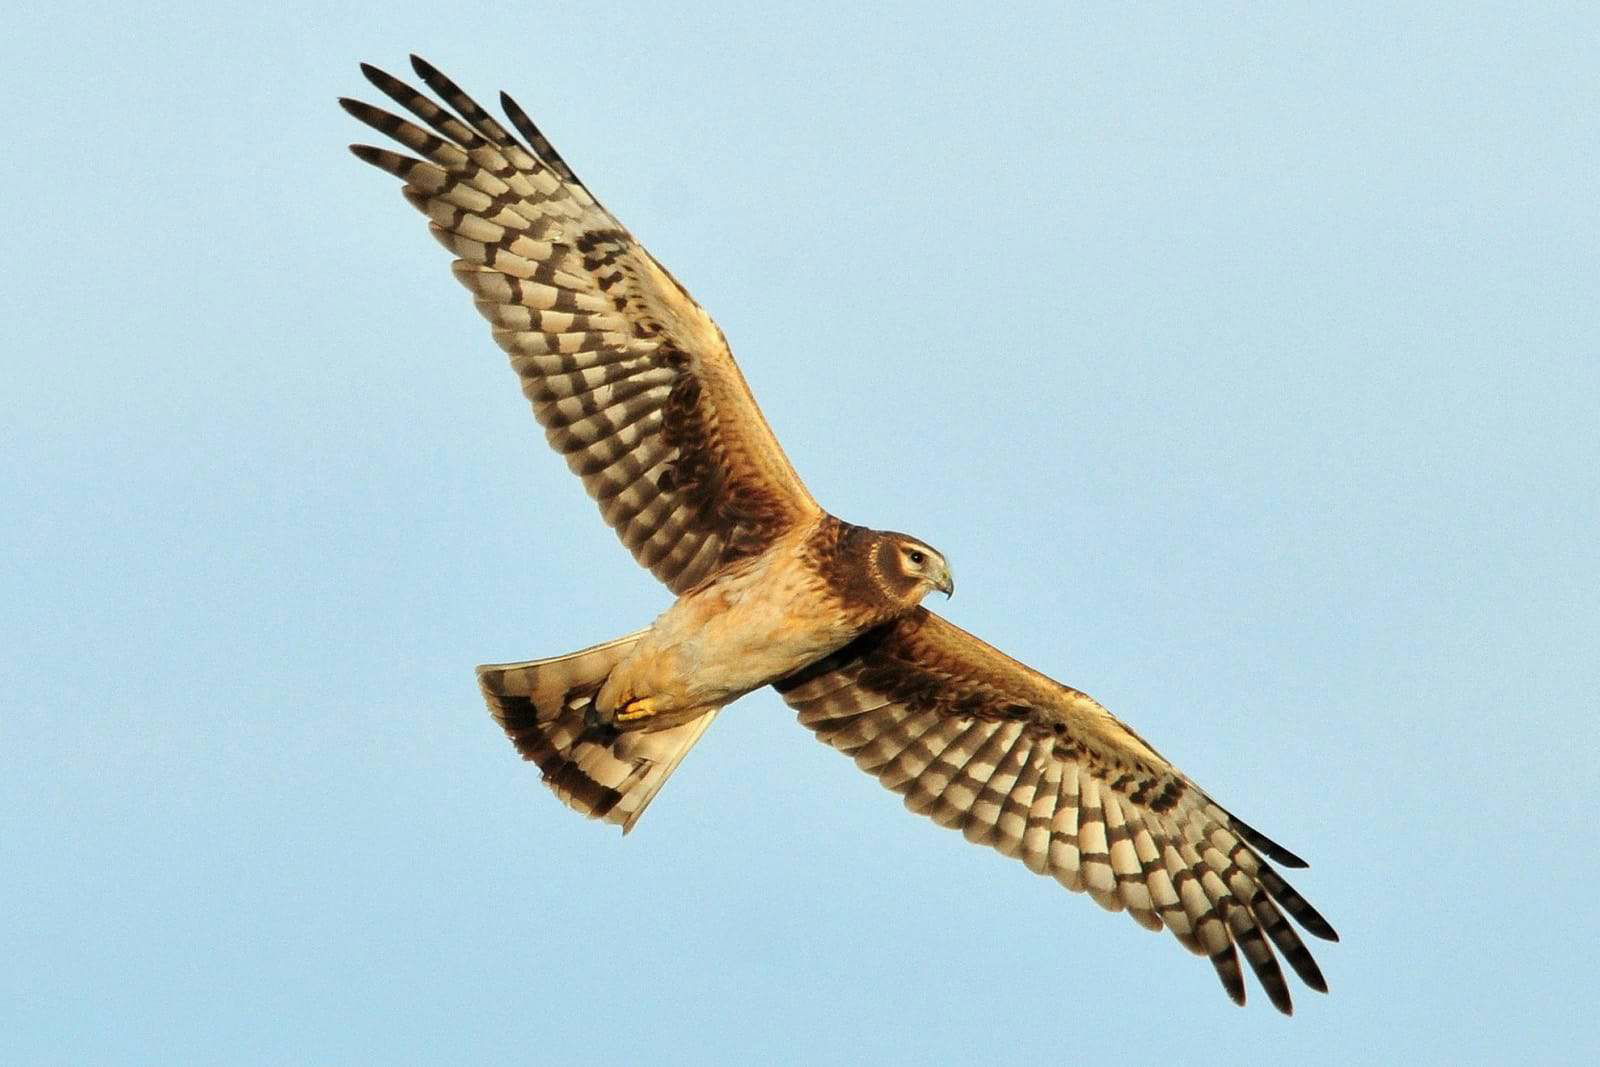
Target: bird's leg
{"points": [[631, 713], [632, 710]]}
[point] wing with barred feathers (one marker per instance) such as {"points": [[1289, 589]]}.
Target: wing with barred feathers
{"points": [[1041, 772], [632, 381]]}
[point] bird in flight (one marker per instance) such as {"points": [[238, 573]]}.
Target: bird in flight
{"points": [[635, 386]]}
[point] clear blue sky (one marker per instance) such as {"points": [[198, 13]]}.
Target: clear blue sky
{"points": [[1243, 363]]}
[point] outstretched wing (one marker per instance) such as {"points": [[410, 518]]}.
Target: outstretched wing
{"points": [[986, 745], [632, 381]]}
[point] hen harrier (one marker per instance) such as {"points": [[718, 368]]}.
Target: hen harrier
{"points": [[635, 386]]}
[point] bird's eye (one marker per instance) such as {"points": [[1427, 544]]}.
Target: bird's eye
{"points": [[917, 557]]}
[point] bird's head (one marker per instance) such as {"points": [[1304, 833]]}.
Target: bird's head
{"points": [[910, 569]]}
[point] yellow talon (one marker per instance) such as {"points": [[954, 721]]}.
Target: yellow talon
{"points": [[634, 709]]}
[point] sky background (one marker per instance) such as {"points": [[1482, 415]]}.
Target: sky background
{"points": [[1243, 361]]}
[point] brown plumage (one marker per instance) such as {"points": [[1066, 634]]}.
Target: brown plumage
{"points": [[636, 388]]}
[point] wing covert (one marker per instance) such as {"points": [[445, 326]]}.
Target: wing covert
{"points": [[632, 381], [1039, 771]]}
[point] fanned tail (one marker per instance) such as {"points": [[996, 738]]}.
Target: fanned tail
{"points": [[544, 706]]}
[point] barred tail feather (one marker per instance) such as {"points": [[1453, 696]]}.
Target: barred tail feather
{"points": [[596, 770]]}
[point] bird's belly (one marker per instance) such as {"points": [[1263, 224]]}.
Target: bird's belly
{"points": [[716, 645], [745, 649]]}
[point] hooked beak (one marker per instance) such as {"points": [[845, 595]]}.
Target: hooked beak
{"points": [[946, 584]]}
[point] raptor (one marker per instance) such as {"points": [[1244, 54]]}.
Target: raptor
{"points": [[635, 386]]}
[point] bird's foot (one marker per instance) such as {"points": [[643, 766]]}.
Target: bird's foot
{"points": [[633, 710]]}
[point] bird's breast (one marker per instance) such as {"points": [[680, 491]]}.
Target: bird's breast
{"points": [[746, 630]]}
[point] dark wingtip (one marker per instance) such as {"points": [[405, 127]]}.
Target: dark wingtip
{"points": [[1312, 921], [1226, 963], [1268, 847], [383, 79], [423, 68]]}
